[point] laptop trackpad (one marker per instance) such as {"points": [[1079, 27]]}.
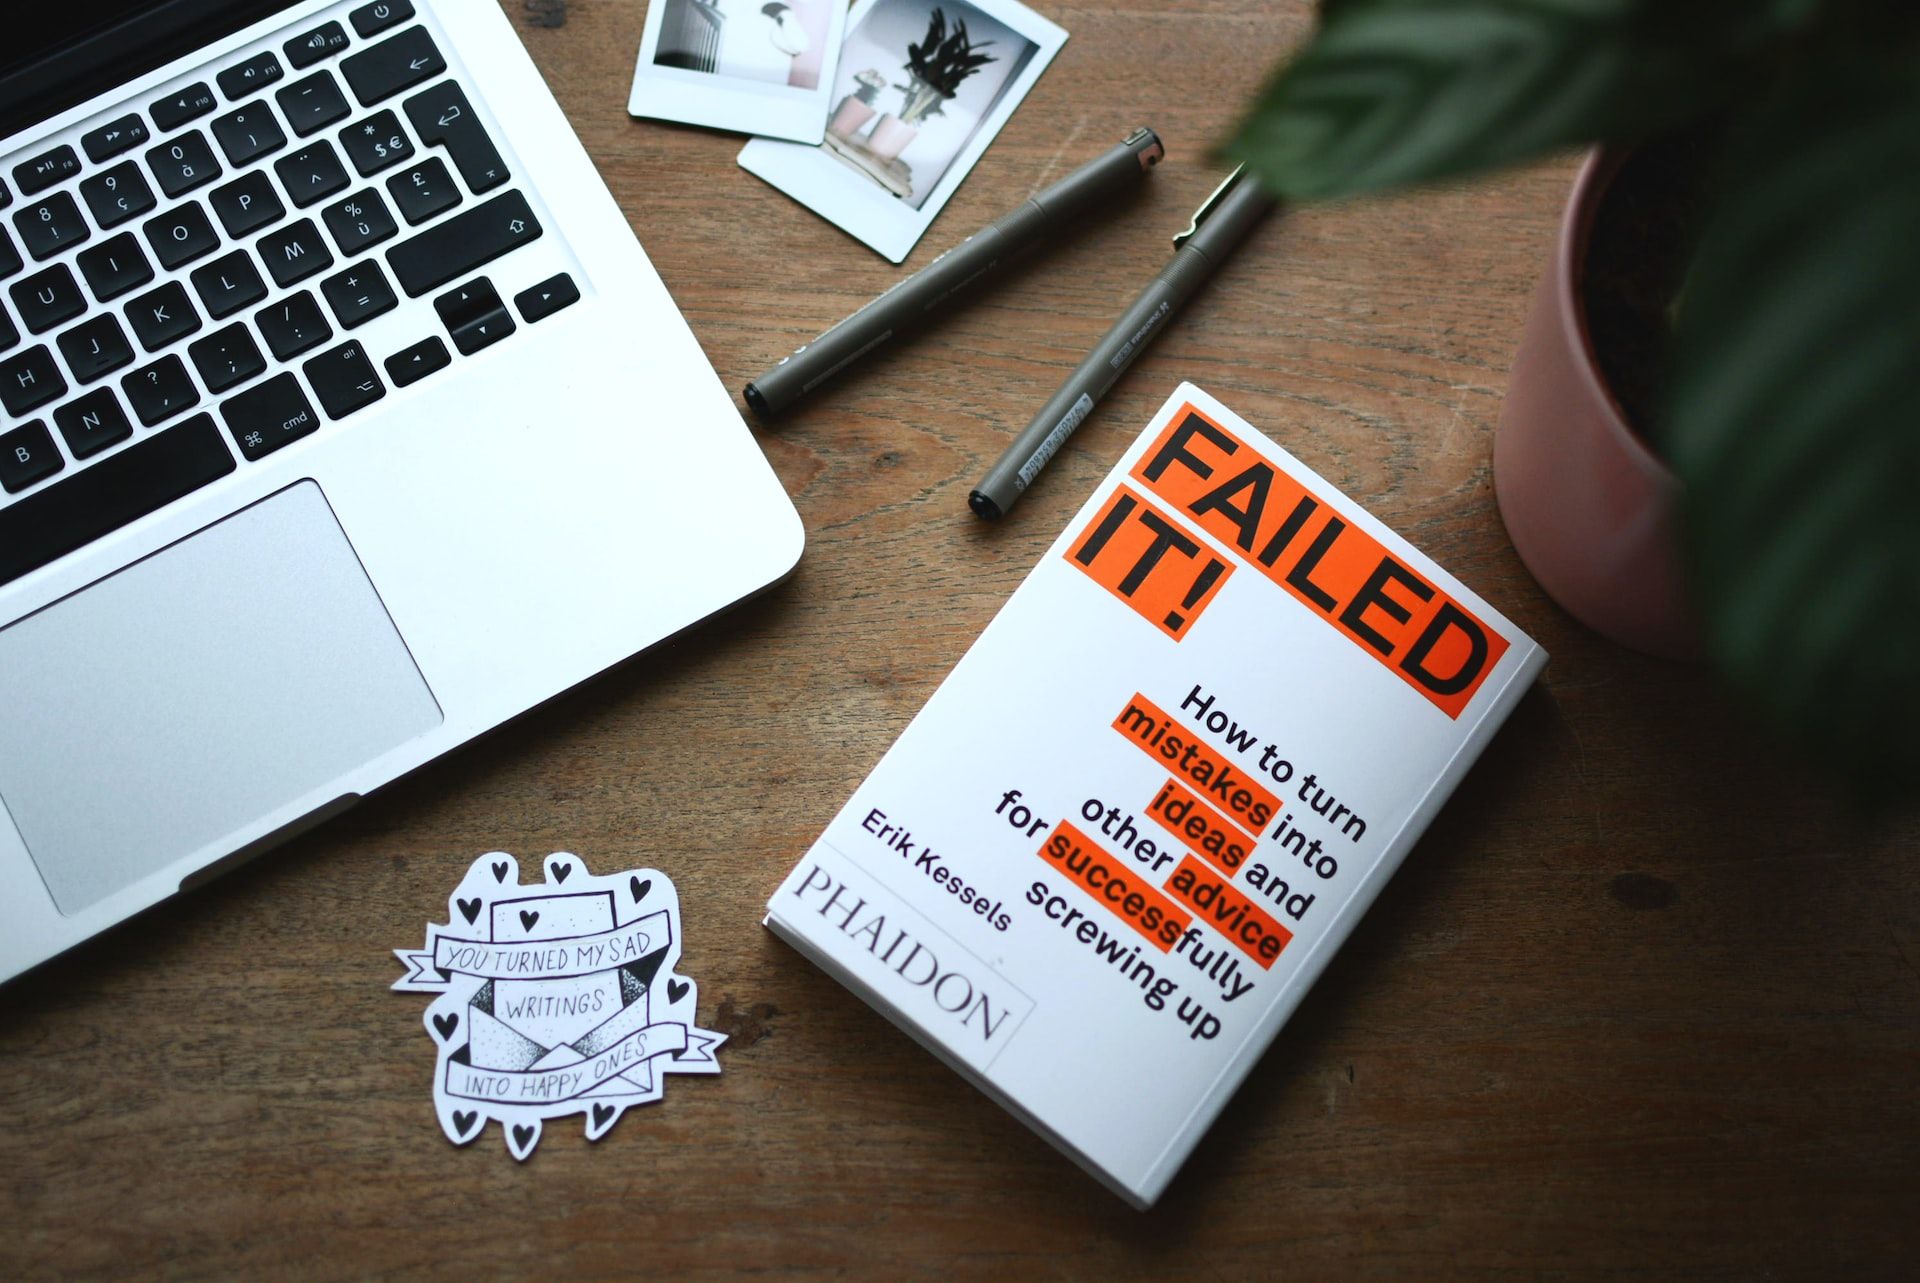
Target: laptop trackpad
{"points": [[195, 692]]}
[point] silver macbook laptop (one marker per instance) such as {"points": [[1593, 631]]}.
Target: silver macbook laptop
{"points": [[343, 419]]}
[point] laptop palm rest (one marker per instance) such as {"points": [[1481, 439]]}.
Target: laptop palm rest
{"points": [[195, 692]]}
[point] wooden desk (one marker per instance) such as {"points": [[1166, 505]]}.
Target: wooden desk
{"points": [[1644, 1000]]}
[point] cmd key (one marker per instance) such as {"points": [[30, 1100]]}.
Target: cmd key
{"points": [[463, 242]]}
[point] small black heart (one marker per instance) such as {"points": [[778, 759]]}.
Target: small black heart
{"points": [[522, 1136], [446, 1024], [528, 917], [601, 1113], [471, 908], [676, 990], [463, 1120], [639, 888], [560, 871], [499, 870]]}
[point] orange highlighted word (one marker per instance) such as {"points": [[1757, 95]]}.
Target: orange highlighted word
{"points": [[1200, 827], [1340, 572], [1133, 901], [1228, 912], [1151, 562], [1195, 761]]}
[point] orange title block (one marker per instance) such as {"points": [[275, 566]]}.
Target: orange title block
{"points": [[1275, 524], [1150, 561], [1119, 888], [1239, 919]]}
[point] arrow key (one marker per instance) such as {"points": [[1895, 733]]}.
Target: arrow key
{"points": [[411, 364], [546, 298], [392, 65]]}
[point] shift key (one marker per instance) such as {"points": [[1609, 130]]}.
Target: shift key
{"points": [[463, 243]]}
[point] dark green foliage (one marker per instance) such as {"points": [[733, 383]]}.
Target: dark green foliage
{"points": [[943, 60], [1796, 370]]}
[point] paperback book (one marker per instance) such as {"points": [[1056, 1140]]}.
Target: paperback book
{"points": [[1105, 862]]}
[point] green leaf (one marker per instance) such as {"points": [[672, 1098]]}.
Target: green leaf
{"points": [[1795, 422], [1396, 91]]}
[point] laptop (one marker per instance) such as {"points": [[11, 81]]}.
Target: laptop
{"points": [[342, 418]]}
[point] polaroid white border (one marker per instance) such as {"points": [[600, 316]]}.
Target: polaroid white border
{"points": [[855, 205], [734, 103]]}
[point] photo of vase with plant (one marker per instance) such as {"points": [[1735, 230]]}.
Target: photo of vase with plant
{"points": [[957, 59]]}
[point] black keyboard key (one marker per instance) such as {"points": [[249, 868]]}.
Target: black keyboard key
{"points": [[424, 190], [181, 235], [248, 133], [114, 137], [546, 298], [228, 284], [359, 221], [226, 358], [312, 173], [9, 256], [183, 164], [6, 197], [160, 390], [463, 243], [293, 325], [323, 41], [161, 316], [344, 380], [474, 316], [400, 62], [47, 298], [115, 266], [27, 457], [443, 115], [117, 194], [8, 335], [50, 225], [295, 252], [265, 418], [48, 169], [93, 422], [312, 104], [96, 348], [411, 364], [375, 143], [176, 109], [119, 489], [358, 294], [372, 19], [243, 78], [29, 380], [247, 204]]}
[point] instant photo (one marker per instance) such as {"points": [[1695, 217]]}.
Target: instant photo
{"points": [[922, 88], [754, 66]]}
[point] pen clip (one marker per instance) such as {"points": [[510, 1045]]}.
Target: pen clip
{"points": [[1207, 206]]}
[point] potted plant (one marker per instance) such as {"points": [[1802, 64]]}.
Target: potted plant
{"points": [[1777, 441], [856, 109], [935, 67]]}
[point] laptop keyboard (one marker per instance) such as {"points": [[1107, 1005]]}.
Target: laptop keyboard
{"points": [[329, 180]]}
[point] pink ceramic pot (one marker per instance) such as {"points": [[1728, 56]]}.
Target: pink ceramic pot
{"points": [[1590, 509], [891, 136], [849, 116]]}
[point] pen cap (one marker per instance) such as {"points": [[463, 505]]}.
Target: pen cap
{"points": [[1103, 177]]}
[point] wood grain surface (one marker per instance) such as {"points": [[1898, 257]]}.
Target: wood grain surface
{"points": [[1643, 1001]]}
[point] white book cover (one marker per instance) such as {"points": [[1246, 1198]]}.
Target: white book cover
{"points": [[1106, 861]]}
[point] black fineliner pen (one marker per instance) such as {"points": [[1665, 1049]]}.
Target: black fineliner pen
{"points": [[913, 301], [1234, 209]]}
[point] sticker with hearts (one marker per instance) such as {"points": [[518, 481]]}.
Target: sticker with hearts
{"points": [[554, 998]]}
